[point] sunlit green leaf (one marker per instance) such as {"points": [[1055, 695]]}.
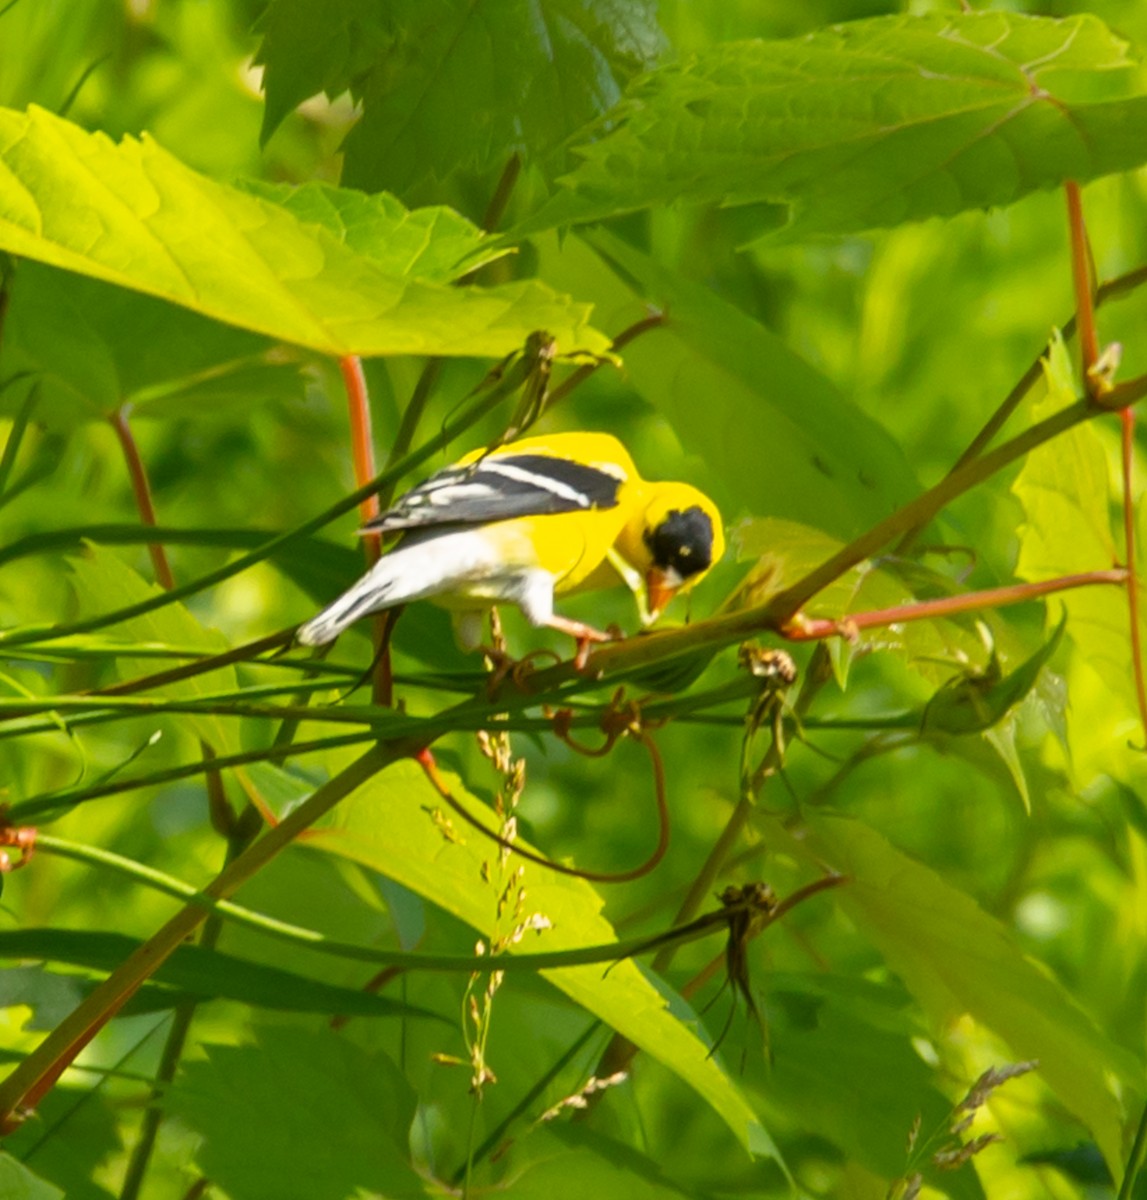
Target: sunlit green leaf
{"points": [[133, 215], [389, 824], [956, 958], [1066, 496], [869, 124], [439, 244]]}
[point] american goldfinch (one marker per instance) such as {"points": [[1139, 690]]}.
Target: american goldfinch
{"points": [[526, 521]]}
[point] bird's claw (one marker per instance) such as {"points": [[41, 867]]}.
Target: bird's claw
{"points": [[504, 666]]}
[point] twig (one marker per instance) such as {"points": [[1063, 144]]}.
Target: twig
{"points": [[141, 490], [362, 454]]}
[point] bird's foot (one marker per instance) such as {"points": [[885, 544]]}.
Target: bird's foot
{"points": [[585, 636], [504, 666]]}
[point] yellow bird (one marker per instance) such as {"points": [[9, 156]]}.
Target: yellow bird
{"points": [[525, 522]]}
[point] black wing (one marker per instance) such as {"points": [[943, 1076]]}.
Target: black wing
{"points": [[498, 488]]}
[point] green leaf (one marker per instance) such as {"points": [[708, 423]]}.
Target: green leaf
{"points": [[287, 1092], [956, 959], [974, 703], [424, 243], [50, 996], [387, 824], [842, 1056], [91, 347], [570, 1162], [869, 124], [133, 215], [18, 1183], [313, 46], [1065, 492], [451, 84], [778, 434], [194, 970]]}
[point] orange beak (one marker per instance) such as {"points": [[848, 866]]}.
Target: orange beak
{"points": [[660, 588]]}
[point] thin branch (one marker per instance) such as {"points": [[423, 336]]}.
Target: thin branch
{"points": [[362, 454], [630, 333], [19, 427], [804, 629], [411, 418], [614, 657], [55, 802], [1082, 281], [141, 490], [154, 1114], [1127, 431], [502, 193]]}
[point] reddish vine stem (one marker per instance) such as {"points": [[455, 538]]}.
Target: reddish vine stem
{"points": [[1098, 390], [141, 489], [1084, 290], [806, 629], [362, 453], [1127, 428], [222, 814]]}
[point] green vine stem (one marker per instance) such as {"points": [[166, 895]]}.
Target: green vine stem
{"points": [[311, 939]]}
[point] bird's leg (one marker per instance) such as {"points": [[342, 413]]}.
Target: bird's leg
{"points": [[584, 634], [502, 664]]}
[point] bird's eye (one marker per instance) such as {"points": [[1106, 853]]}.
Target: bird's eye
{"points": [[682, 542]]}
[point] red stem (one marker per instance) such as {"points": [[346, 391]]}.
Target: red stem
{"points": [[142, 491], [1084, 290], [805, 629], [219, 808], [1127, 423], [362, 452]]}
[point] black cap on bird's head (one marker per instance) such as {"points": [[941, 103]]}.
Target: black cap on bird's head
{"points": [[683, 542], [683, 538]]}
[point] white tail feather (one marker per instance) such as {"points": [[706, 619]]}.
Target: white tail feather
{"points": [[438, 565]]}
